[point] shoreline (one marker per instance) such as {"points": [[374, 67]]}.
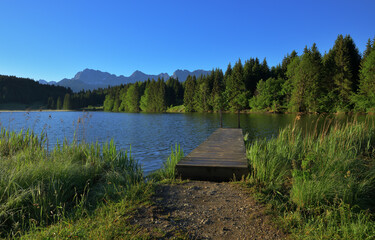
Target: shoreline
{"points": [[168, 112]]}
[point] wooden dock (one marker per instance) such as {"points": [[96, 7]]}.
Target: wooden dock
{"points": [[221, 157]]}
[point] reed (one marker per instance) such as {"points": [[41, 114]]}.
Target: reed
{"points": [[168, 171], [40, 187], [325, 178]]}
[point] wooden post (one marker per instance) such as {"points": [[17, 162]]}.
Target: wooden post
{"points": [[221, 119], [238, 117]]}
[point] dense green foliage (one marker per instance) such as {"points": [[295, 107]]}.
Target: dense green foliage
{"points": [[27, 91], [322, 181], [39, 187], [339, 81]]}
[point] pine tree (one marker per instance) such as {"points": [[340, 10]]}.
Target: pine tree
{"points": [[108, 103], [286, 61], [132, 98], [249, 76], [189, 93], [365, 99], [202, 94], [369, 47], [116, 105], [265, 70], [58, 103], [306, 80], [154, 98], [50, 103], [122, 97], [342, 68], [66, 104], [235, 88], [217, 90]]}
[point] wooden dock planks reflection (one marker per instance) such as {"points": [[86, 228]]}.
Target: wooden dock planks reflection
{"points": [[219, 158]]}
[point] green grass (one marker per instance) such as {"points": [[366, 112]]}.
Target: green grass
{"points": [[111, 220], [322, 182], [75, 190], [168, 172], [40, 187]]}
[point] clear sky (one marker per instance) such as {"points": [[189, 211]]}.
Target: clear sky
{"points": [[54, 39]]}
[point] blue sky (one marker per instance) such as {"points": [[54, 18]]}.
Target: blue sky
{"points": [[55, 39]]}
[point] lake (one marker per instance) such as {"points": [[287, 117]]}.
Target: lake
{"points": [[149, 135]]}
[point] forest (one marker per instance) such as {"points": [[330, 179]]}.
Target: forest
{"points": [[340, 80], [25, 91]]}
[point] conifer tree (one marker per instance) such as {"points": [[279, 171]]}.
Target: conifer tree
{"points": [[306, 80], [286, 61], [202, 94], [249, 77], [108, 103], [369, 47], [342, 66], [116, 105], [154, 98], [122, 97], [265, 70], [66, 104], [217, 90], [189, 93], [235, 88], [50, 103], [365, 98], [132, 98], [58, 103]]}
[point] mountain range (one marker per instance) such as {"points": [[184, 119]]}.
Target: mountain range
{"points": [[90, 79]]}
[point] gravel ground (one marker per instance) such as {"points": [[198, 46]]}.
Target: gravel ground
{"points": [[205, 210]]}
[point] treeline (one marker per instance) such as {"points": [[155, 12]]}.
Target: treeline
{"points": [[339, 81], [148, 96], [78, 100], [26, 91]]}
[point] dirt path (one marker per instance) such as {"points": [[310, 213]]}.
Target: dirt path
{"points": [[205, 210]]}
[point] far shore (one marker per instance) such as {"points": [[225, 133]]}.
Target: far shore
{"points": [[41, 110]]}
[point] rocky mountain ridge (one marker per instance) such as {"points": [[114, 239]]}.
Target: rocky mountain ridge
{"points": [[90, 79]]}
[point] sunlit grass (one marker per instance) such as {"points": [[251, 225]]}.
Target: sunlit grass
{"points": [[322, 181], [168, 171], [40, 187]]}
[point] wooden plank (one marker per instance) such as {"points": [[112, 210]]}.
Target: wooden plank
{"points": [[220, 157]]}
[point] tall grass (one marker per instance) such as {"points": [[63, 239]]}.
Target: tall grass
{"points": [[168, 171], [39, 187], [324, 178]]}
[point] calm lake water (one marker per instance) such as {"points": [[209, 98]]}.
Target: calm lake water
{"points": [[150, 136]]}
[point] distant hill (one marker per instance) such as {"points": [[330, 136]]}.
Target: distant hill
{"points": [[90, 79]]}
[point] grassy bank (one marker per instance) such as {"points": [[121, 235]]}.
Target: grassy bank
{"points": [[322, 183], [75, 190], [39, 187]]}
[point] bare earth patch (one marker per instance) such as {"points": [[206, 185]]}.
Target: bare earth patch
{"points": [[205, 210]]}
